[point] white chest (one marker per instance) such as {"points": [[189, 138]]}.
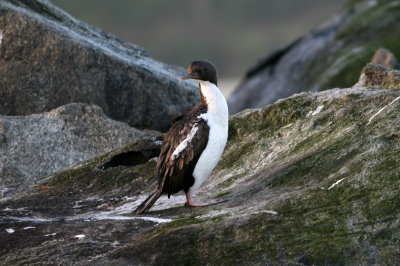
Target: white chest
{"points": [[217, 119]]}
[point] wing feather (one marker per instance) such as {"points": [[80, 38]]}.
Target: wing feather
{"points": [[175, 166]]}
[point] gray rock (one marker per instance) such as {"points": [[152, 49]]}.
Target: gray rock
{"points": [[37, 145], [374, 75], [331, 56], [49, 59], [309, 180]]}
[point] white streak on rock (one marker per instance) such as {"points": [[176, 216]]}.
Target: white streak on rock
{"points": [[289, 125], [154, 219], [335, 184], [108, 216], [121, 213], [319, 108], [10, 230], [1, 37], [380, 111], [270, 212], [80, 236], [266, 211], [29, 227], [53, 234], [30, 219]]}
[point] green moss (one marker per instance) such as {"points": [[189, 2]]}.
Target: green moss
{"points": [[180, 223], [232, 180], [282, 113], [315, 166], [223, 194], [268, 119], [236, 156]]}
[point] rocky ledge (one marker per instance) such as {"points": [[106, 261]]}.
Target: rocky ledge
{"points": [[37, 145], [311, 179]]}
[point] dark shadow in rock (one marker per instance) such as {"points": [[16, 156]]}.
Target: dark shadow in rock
{"points": [[131, 158]]}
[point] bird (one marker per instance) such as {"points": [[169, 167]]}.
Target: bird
{"points": [[194, 143]]}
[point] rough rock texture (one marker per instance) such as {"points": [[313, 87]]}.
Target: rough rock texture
{"points": [[49, 59], [312, 179], [331, 56], [377, 75], [36, 145]]}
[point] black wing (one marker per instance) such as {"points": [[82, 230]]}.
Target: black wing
{"points": [[175, 172]]}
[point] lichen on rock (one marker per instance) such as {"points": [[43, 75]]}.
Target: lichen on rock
{"points": [[374, 75], [310, 179]]}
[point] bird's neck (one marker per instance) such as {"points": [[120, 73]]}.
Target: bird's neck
{"points": [[213, 98]]}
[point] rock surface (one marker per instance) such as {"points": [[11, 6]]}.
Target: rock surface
{"points": [[331, 56], [374, 75], [312, 179], [49, 59], [37, 145]]}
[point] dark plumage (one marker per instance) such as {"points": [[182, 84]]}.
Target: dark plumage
{"points": [[173, 176]]}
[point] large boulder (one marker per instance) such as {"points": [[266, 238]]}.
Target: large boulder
{"points": [[331, 56], [49, 59], [37, 145], [310, 180]]}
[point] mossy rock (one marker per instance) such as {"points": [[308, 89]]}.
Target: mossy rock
{"points": [[311, 179], [371, 26], [330, 56]]}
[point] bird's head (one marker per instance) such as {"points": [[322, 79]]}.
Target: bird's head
{"points": [[201, 70]]}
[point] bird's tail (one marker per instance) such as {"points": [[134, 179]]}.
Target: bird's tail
{"points": [[146, 204]]}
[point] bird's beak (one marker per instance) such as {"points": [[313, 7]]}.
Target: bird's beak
{"points": [[188, 76]]}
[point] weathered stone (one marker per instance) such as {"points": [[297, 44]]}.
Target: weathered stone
{"points": [[49, 59], [331, 56], [37, 145], [311, 179], [380, 76]]}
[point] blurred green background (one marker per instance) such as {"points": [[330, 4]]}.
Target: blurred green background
{"points": [[233, 34]]}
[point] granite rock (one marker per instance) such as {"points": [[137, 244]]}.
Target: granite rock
{"points": [[49, 59], [37, 145]]}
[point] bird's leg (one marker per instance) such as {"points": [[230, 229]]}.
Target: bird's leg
{"points": [[191, 203]]}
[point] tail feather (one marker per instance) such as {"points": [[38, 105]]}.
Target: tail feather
{"points": [[147, 203]]}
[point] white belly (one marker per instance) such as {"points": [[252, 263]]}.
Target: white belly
{"points": [[210, 156], [217, 118]]}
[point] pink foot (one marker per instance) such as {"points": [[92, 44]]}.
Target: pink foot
{"points": [[191, 203]]}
